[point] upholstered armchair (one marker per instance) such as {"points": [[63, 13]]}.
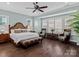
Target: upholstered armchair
{"points": [[68, 35], [65, 36], [42, 33]]}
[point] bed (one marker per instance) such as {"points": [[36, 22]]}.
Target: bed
{"points": [[21, 37]]}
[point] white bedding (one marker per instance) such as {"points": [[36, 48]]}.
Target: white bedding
{"points": [[21, 36]]}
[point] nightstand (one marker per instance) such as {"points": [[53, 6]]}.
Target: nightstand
{"points": [[4, 38]]}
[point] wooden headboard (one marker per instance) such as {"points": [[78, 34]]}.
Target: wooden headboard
{"points": [[18, 25]]}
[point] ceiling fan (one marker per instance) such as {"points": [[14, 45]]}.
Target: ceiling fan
{"points": [[37, 7]]}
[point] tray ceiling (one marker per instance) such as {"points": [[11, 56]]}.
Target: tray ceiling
{"points": [[20, 7]]}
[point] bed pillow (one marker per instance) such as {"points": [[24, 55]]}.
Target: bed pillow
{"points": [[20, 30], [17, 31]]}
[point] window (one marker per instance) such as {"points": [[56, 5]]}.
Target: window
{"points": [[67, 18], [44, 23], [4, 24], [37, 25], [58, 24], [50, 24], [3, 20]]}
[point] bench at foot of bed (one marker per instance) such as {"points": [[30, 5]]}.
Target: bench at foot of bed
{"points": [[29, 42]]}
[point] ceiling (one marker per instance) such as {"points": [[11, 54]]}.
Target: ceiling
{"points": [[20, 7]]}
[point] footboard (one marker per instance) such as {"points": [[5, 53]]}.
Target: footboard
{"points": [[30, 42], [12, 41]]}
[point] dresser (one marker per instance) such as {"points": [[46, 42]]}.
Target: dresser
{"points": [[4, 38]]}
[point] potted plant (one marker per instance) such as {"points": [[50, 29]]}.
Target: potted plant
{"points": [[74, 24]]}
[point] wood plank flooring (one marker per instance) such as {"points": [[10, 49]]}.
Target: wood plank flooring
{"points": [[48, 48]]}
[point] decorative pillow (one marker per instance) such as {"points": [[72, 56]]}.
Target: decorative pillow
{"points": [[12, 31], [66, 33]]}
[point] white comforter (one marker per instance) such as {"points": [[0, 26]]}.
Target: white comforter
{"points": [[21, 36]]}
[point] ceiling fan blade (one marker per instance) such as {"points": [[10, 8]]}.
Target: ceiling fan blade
{"points": [[34, 10], [43, 7], [29, 8], [34, 3], [41, 10]]}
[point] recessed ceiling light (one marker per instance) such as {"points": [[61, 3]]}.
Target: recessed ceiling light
{"points": [[8, 3], [66, 2]]}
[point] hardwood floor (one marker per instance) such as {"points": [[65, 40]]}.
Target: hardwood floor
{"points": [[48, 48]]}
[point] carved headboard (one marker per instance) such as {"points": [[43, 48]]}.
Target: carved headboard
{"points": [[18, 25]]}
